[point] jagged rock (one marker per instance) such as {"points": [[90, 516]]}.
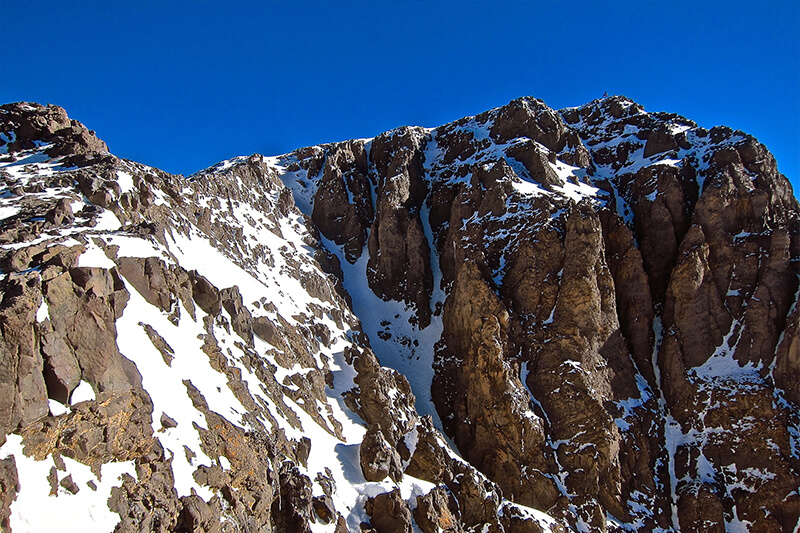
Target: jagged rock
{"points": [[9, 487], [597, 344], [513, 520], [84, 304], [292, 511], [324, 508], [530, 117], [634, 303], [378, 458], [62, 373], [167, 422], [437, 512], [241, 319], [399, 257], [700, 508], [23, 394], [787, 356], [69, 485], [478, 498], [197, 516], [166, 351], [116, 426], [344, 176], [61, 213], [481, 398], [34, 122], [427, 460], [205, 294], [658, 141], [160, 285], [536, 163], [265, 329], [383, 397], [149, 503], [389, 513]]}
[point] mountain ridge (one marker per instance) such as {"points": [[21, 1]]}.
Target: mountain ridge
{"points": [[563, 297]]}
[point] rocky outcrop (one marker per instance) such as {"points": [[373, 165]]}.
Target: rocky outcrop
{"points": [[24, 394], [594, 308], [399, 255], [389, 513], [345, 175], [83, 305], [9, 483], [378, 458], [597, 304], [30, 123]]}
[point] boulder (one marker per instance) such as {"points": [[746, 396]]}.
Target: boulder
{"points": [[378, 458], [389, 513]]}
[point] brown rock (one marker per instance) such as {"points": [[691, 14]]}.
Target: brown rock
{"points": [[787, 357], [32, 122], [382, 397], [292, 510], [205, 294], [9, 487], [116, 426], [389, 513], [515, 521], [378, 458], [536, 163], [529, 117], [399, 253], [160, 285], [437, 512], [197, 516], [480, 400], [69, 485], [149, 504], [241, 320], [427, 460], [478, 498], [61, 213], [23, 394], [166, 351], [324, 508], [62, 373], [266, 330], [84, 304], [659, 140], [339, 218], [167, 422]]}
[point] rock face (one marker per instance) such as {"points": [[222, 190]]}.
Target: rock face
{"points": [[526, 320]]}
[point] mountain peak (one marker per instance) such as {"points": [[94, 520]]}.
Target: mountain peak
{"points": [[525, 320], [30, 125]]}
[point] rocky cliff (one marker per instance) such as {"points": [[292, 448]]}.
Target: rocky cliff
{"points": [[525, 320]]}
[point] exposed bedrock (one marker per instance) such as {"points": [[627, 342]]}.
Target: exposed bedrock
{"points": [[625, 357], [343, 209], [399, 253]]}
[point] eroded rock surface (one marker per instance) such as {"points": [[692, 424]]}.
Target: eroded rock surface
{"points": [[526, 320]]}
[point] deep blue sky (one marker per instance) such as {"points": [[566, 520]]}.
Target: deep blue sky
{"points": [[182, 85]]}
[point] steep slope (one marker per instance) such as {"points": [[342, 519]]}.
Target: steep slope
{"points": [[176, 358], [615, 298], [591, 313]]}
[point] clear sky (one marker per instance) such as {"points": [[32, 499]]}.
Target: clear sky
{"points": [[183, 84]]}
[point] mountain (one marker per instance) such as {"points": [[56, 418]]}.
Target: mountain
{"points": [[527, 320]]}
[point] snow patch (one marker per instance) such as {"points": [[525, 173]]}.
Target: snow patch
{"points": [[82, 393], [35, 510]]}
